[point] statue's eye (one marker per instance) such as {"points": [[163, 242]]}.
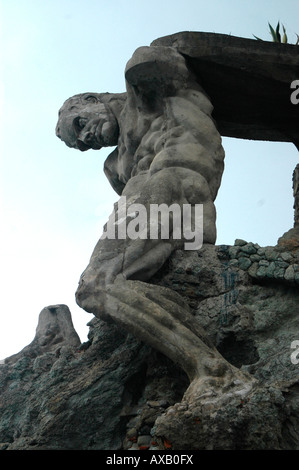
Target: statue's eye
{"points": [[91, 99], [82, 122], [79, 124]]}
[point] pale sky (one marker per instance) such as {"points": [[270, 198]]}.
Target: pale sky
{"points": [[55, 200]]}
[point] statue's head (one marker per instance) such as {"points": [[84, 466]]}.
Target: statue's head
{"points": [[87, 122]]}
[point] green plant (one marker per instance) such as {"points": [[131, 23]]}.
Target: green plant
{"points": [[276, 36]]}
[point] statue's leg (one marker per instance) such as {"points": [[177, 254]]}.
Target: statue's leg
{"points": [[160, 317], [112, 287]]}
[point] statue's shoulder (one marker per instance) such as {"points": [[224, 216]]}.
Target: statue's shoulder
{"points": [[155, 64]]}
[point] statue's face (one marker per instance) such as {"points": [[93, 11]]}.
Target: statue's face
{"points": [[86, 123]]}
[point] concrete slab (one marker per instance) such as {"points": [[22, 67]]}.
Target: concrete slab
{"points": [[248, 82]]}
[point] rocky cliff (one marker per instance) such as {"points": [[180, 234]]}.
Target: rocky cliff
{"points": [[114, 392]]}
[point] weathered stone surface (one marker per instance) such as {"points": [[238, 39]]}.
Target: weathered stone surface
{"points": [[65, 400], [226, 316], [253, 322], [169, 152], [54, 330], [82, 396], [112, 390]]}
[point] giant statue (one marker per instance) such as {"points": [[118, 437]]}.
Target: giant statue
{"points": [[167, 151]]}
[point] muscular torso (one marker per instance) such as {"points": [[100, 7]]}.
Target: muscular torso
{"points": [[183, 135]]}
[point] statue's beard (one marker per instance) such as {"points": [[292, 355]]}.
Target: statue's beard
{"points": [[83, 147]]}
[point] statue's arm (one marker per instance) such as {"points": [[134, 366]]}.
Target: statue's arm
{"points": [[112, 173]]}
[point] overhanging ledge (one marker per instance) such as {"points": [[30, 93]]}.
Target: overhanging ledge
{"points": [[248, 82]]}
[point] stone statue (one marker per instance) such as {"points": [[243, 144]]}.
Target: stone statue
{"points": [[168, 151]]}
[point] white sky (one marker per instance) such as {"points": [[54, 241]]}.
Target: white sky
{"points": [[55, 200]]}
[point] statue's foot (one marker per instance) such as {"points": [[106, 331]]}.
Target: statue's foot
{"points": [[223, 384], [223, 413]]}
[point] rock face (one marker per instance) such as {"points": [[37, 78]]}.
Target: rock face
{"points": [[55, 328], [114, 392], [248, 303]]}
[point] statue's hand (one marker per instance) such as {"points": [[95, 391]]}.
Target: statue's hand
{"points": [[95, 133]]}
